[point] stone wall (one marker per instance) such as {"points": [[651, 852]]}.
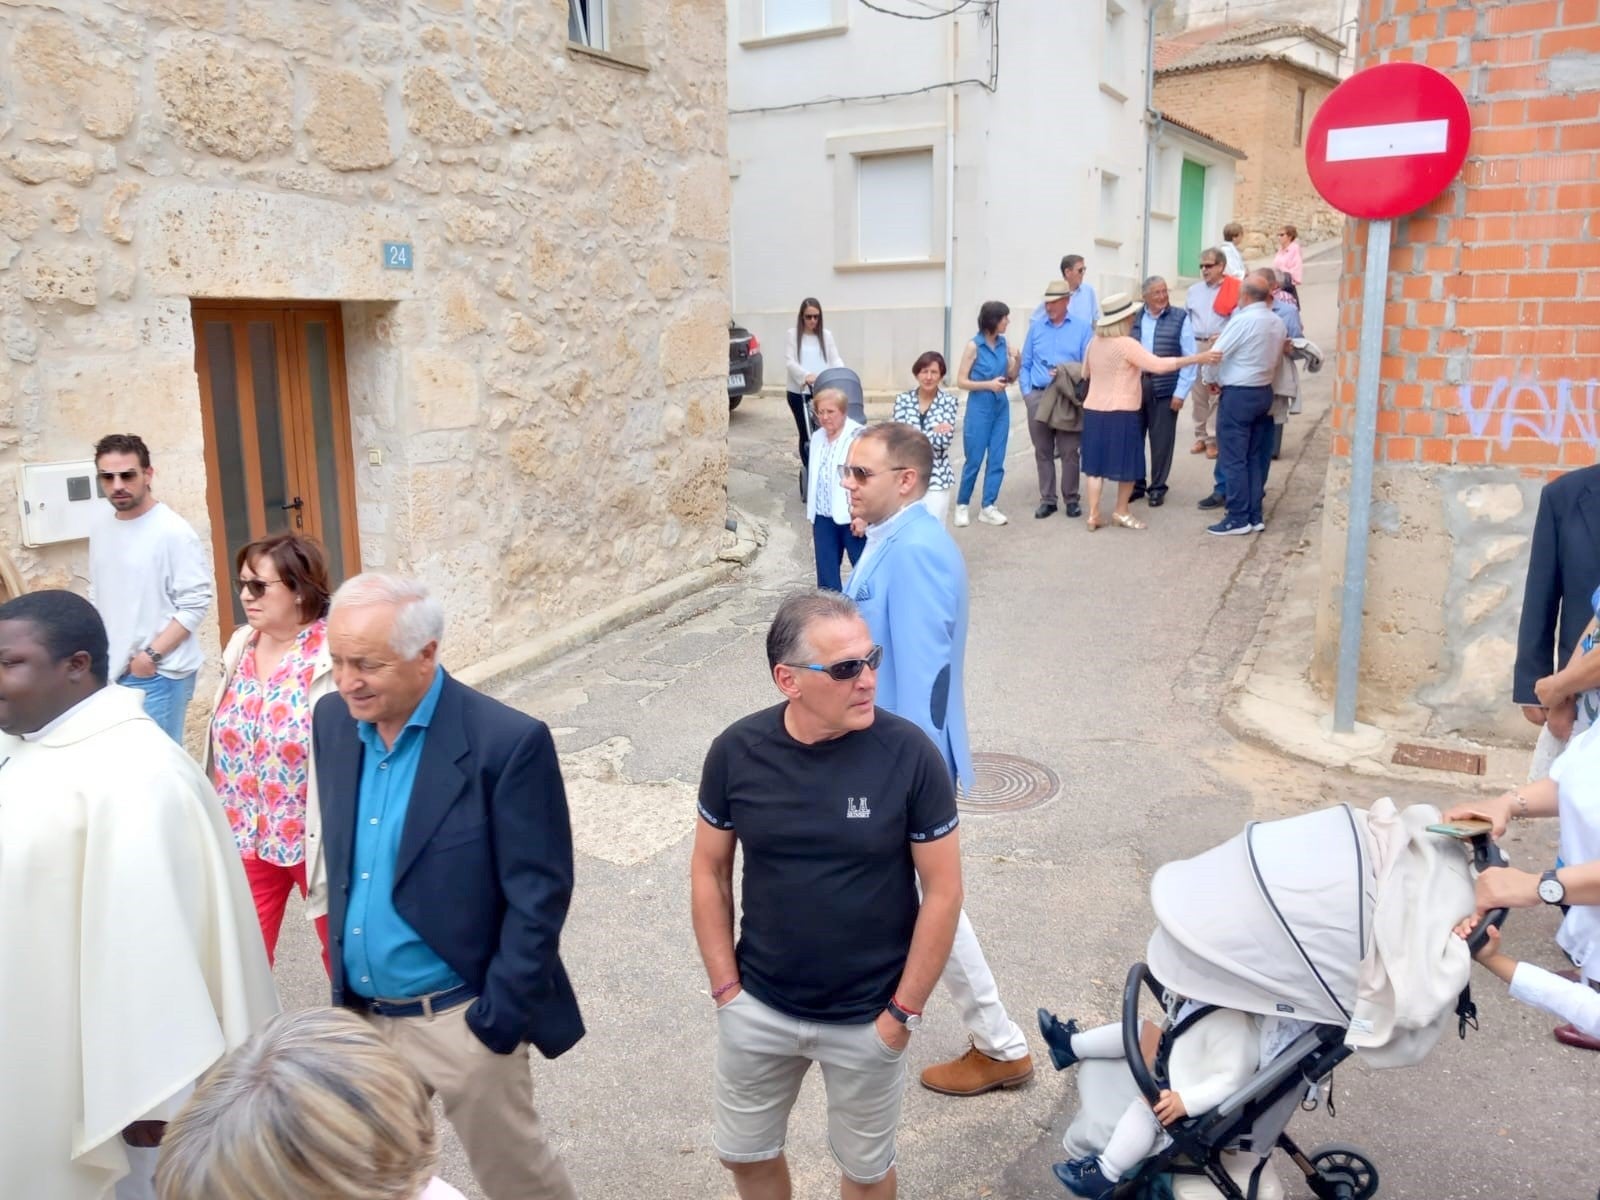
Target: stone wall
{"points": [[1488, 381], [1253, 106], [539, 407]]}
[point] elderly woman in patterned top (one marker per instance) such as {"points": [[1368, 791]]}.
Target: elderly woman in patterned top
{"points": [[933, 410], [258, 753]]}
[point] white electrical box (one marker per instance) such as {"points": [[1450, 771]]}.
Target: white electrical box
{"points": [[59, 501]]}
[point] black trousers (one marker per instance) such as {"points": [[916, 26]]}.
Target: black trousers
{"points": [[1160, 426], [797, 406]]}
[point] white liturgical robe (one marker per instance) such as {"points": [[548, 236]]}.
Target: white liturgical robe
{"points": [[130, 955]]}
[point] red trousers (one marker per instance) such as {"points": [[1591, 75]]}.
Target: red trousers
{"points": [[269, 887]]}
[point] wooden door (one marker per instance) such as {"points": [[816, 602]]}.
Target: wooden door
{"points": [[1191, 217], [277, 429]]}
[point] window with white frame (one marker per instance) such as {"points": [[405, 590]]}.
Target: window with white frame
{"points": [[782, 17], [1114, 49], [895, 207], [1108, 228], [586, 23]]}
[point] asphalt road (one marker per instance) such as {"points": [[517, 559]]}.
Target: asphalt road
{"points": [[1104, 657]]}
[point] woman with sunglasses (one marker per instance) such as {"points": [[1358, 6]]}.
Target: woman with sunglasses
{"points": [[809, 351], [258, 752]]}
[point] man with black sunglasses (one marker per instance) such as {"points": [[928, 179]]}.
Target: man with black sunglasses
{"points": [[149, 578]]}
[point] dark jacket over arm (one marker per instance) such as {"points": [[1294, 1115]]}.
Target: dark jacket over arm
{"points": [[1563, 572]]}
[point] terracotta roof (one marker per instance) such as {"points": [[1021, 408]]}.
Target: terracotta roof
{"points": [[1169, 119], [1237, 43]]}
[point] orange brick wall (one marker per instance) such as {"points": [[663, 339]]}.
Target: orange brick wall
{"points": [[1492, 353], [1252, 106]]}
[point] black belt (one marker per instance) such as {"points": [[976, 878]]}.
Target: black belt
{"points": [[420, 1007]]}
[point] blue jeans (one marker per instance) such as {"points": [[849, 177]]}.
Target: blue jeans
{"points": [[985, 432], [833, 541], [1244, 429], [166, 700]]}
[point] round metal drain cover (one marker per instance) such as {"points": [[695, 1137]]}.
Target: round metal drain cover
{"points": [[1007, 783]]}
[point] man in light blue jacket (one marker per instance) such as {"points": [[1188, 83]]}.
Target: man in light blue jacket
{"points": [[911, 587]]}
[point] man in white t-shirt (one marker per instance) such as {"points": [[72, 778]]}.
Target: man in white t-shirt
{"points": [[150, 580]]}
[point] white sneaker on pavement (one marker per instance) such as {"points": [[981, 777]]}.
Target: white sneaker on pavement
{"points": [[990, 515], [961, 516]]}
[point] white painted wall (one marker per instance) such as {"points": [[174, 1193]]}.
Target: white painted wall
{"points": [[1172, 146], [1029, 160]]}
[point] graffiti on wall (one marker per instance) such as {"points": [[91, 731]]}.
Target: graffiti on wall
{"points": [[1553, 412]]}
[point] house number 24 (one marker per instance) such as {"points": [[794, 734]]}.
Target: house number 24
{"points": [[397, 256]]}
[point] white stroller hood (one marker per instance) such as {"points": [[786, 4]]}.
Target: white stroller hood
{"points": [[1274, 921]]}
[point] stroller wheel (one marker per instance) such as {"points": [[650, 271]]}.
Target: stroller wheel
{"points": [[1345, 1172], [803, 474]]}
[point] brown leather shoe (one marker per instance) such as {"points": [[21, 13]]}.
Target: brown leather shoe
{"points": [[1211, 450], [1199, 447], [1567, 1035], [975, 1073]]}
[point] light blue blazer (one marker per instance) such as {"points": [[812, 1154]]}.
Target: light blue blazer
{"points": [[912, 590]]}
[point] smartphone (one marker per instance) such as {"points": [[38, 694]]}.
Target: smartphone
{"points": [[1465, 830]]}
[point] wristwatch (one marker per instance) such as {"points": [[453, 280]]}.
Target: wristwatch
{"points": [[1550, 889], [154, 655], [912, 1021]]}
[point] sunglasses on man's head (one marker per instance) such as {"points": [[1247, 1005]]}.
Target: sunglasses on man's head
{"points": [[113, 476], [845, 669], [256, 588]]}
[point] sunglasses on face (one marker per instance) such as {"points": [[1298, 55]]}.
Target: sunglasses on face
{"points": [[845, 669], [113, 476], [862, 474], [813, 316], [256, 588]]}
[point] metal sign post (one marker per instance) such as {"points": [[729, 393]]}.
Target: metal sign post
{"points": [[1363, 442]]}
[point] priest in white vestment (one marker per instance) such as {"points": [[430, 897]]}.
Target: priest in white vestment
{"points": [[130, 955]]}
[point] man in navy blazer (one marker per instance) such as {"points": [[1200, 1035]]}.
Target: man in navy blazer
{"points": [[449, 854], [911, 587]]}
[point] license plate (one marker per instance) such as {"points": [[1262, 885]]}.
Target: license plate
{"points": [[735, 381]]}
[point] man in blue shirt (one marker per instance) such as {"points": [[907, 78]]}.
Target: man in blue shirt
{"points": [[1082, 302], [1055, 338], [1164, 331], [449, 875]]}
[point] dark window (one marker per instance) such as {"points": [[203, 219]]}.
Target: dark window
{"points": [[1300, 116]]}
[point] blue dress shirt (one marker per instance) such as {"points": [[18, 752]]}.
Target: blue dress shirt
{"points": [[1147, 335], [1050, 345], [1084, 305], [383, 956]]}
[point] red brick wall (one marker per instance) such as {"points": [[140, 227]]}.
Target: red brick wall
{"points": [[1492, 350]]}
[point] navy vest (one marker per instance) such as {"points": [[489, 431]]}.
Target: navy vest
{"points": [[1169, 328]]}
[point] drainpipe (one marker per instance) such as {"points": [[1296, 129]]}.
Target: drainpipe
{"points": [[1152, 123], [949, 183]]}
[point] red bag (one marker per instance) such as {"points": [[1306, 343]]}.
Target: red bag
{"points": [[1227, 297]]}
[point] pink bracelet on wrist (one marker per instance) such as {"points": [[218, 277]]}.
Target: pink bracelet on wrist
{"points": [[719, 993]]}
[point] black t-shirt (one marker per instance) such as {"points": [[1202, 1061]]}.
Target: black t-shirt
{"points": [[829, 898]]}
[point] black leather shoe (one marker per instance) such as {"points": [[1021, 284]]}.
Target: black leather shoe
{"points": [[1058, 1036], [1157, 499], [1074, 509], [1215, 500], [1139, 493], [1043, 511]]}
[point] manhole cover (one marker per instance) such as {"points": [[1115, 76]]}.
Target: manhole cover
{"points": [[1007, 783]]}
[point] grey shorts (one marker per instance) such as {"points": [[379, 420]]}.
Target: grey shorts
{"points": [[762, 1057]]}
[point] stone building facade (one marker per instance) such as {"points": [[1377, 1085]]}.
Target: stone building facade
{"points": [[1491, 365], [1236, 84], [196, 198]]}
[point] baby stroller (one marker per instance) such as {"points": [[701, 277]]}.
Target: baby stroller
{"points": [[1288, 920]]}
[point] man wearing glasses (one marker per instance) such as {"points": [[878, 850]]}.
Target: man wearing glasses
{"points": [[149, 578], [841, 809], [911, 585], [1206, 325]]}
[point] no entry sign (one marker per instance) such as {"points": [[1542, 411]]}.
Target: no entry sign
{"points": [[1388, 140]]}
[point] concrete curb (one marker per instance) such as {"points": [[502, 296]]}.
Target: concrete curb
{"points": [[740, 546]]}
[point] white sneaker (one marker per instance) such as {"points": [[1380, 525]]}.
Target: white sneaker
{"points": [[990, 515], [961, 516], [1259, 527]]}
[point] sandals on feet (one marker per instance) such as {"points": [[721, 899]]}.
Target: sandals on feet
{"points": [[1128, 521]]}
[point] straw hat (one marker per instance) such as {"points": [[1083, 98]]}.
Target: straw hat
{"points": [[1057, 289], [1117, 307]]}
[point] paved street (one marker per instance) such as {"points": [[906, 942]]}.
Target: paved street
{"points": [[1105, 658]]}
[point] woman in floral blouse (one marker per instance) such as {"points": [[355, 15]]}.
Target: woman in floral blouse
{"points": [[933, 410], [274, 670]]}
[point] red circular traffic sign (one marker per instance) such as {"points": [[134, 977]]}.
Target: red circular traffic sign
{"points": [[1388, 140]]}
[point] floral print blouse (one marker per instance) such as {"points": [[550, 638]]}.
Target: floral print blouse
{"points": [[261, 751], [908, 411]]}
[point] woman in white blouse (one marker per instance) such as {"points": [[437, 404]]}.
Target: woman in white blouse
{"points": [[809, 351], [933, 410], [833, 533]]}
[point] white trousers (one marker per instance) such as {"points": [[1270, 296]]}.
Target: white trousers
{"points": [[971, 985], [937, 501]]}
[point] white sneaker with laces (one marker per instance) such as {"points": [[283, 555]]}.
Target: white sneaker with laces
{"points": [[961, 516], [990, 515]]}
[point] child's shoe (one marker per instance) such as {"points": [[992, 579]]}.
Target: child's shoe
{"points": [[1082, 1177], [1058, 1036]]}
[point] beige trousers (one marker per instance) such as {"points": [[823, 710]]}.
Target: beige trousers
{"points": [[488, 1098], [1202, 404]]}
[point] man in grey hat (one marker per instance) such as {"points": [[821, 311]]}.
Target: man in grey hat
{"points": [[1054, 338]]}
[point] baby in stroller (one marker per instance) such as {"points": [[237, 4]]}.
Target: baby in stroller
{"points": [[1205, 1055]]}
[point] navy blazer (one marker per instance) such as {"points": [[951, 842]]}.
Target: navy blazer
{"points": [[484, 870], [1563, 572]]}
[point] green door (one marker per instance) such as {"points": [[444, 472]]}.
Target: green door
{"points": [[1191, 217]]}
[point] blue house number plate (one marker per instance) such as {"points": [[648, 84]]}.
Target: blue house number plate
{"points": [[397, 256]]}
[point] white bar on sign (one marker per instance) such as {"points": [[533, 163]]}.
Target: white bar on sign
{"points": [[1388, 141]]}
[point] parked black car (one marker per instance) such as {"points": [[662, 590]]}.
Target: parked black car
{"points": [[744, 364]]}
